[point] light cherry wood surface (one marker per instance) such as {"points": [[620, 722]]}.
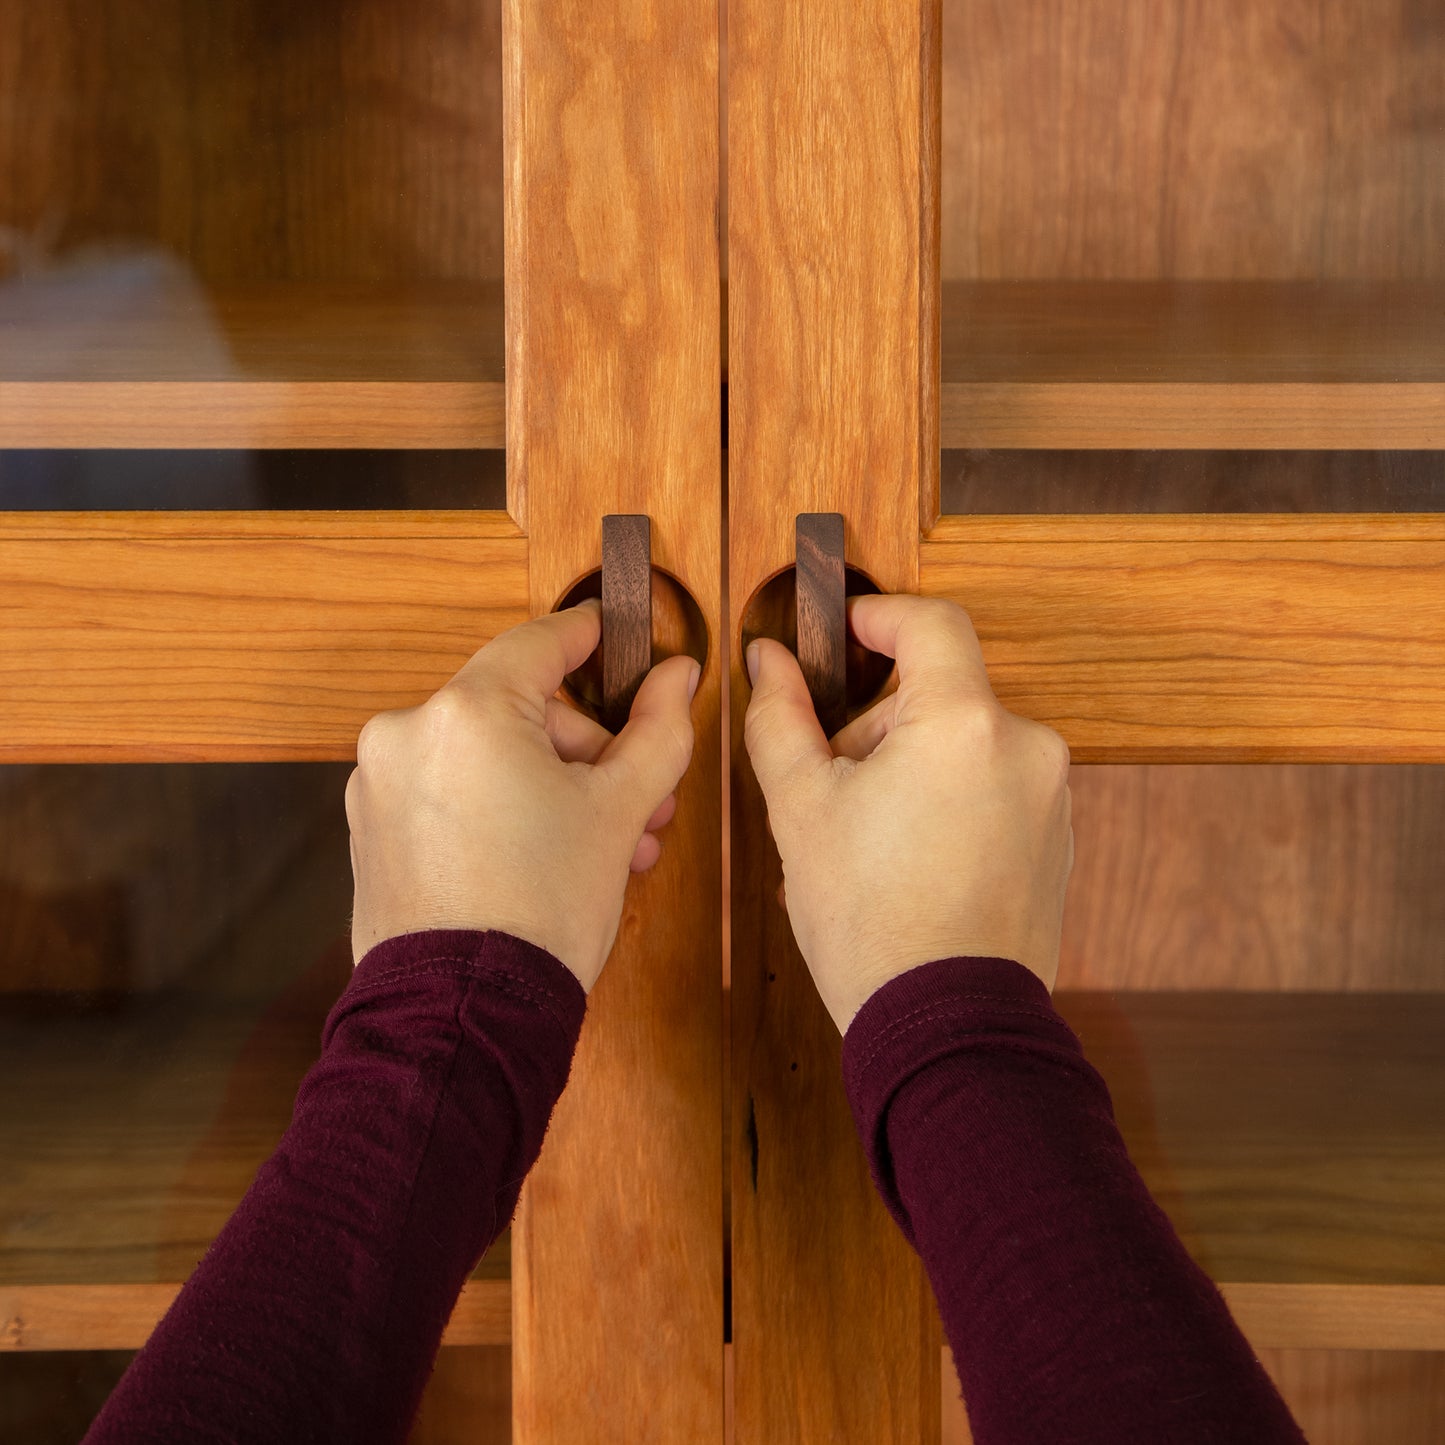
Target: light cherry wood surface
{"points": [[46, 1317], [613, 406], [1210, 638], [833, 407], [212, 636]]}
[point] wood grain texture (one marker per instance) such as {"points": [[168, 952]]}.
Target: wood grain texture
{"points": [[44, 1317], [166, 363], [832, 395], [1346, 1397], [1298, 877], [1338, 1396], [1291, 638], [352, 141], [626, 613], [822, 627], [1340, 1316], [207, 636], [1249, 139], [613, 397], [1291, 1138], [1206, 364]]}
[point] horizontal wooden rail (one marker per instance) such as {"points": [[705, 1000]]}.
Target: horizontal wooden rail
{"points": [[233, 636], [122, 1316], [293, 365], [1257, 638]]}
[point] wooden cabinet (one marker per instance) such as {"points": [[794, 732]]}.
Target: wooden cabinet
{"points": [[327, 337]]}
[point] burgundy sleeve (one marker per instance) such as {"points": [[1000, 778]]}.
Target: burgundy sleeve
{"points": [[1073, 1310], [317, 1312]]}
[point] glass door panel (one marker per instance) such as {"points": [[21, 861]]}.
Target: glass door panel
{"points": [[1171, 229], [235, 227]]}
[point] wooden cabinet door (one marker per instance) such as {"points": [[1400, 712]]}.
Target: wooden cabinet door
{"points": [[325, 204], [1091, 365]]}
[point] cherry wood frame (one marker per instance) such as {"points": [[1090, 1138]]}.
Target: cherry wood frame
{"points": [[245, 636]]}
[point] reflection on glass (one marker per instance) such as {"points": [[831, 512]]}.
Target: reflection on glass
{"points": [[1193, 227], [1254, 958], [290, 216], [108, 480], [173, 938], [986, 482], [51, 1399]]}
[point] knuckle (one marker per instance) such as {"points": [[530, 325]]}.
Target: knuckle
{"points": [[450, 719], [372, 743], [1052, 752], [979, 722]]}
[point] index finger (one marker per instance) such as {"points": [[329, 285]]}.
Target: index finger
{"points": [[932, 640], [532, 658]]}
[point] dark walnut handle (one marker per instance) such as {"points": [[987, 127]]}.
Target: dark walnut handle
{"points": [[626, 613], [822, 615]]}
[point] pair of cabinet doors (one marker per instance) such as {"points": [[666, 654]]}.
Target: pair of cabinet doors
{"points": [[1164, 431]]}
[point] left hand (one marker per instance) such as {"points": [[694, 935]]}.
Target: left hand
{"points": [[495, 805]]}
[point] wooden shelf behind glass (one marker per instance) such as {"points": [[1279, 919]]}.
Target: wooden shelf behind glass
{"points": [[265, 366], [142, 1127], [1026, 364], [1296, 1140], [1193, 364]]}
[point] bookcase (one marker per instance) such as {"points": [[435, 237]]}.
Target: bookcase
{"points": [[328, 335]]}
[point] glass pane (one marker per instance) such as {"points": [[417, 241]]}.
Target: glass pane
{"points": [[999, 482], [171, 940], [50, 1399], [230, 225], [1216, 228], [1255, 960], [108, 480]]}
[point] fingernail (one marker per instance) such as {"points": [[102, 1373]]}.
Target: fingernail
{"points": [[693, 681], [753, 651]]}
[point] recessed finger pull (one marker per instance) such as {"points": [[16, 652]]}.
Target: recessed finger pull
{"points": [[822, 615], [626, 613]]}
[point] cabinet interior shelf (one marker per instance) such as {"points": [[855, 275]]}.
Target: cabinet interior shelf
{"points": [[1034, 365], [256, 367], [1296, 1140]]}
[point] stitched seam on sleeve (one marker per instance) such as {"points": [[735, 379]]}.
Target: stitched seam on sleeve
{"points": [[528, 990], [942, 1008]]}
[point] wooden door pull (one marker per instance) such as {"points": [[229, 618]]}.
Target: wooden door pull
{"points": [[626, 613], [822, 615]]}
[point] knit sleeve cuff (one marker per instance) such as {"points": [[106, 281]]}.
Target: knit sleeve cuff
{"points": [[932, 1013], [422, 964]]}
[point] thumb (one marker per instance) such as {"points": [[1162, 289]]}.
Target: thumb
{"points": [[781, 731], [651, 753]]}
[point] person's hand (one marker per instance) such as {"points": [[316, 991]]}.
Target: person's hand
{"points": [[937, 823], [495, 805]]}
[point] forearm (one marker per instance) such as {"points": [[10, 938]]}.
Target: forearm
{"points": [[1074, 1312], [317, 1312]]}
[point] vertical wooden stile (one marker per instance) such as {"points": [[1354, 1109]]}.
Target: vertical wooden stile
{"points": [[613, 405], [833, 378]]}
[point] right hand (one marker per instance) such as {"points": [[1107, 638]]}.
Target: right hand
{"points": [[936, 825]]}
